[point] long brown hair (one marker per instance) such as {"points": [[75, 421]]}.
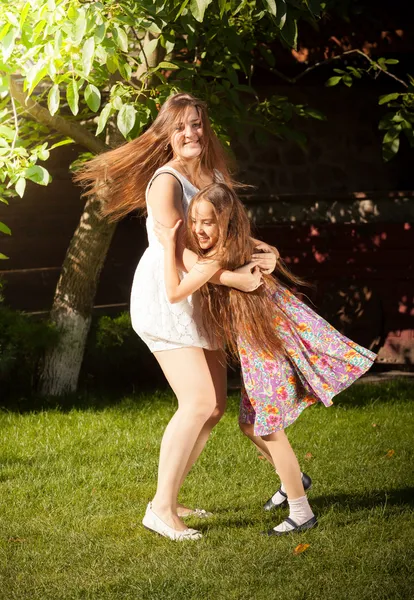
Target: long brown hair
{"points": [[121, 176], [229, 313]]}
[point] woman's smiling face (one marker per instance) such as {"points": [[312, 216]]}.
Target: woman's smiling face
{"points": [[186, 140], [204, 224]]}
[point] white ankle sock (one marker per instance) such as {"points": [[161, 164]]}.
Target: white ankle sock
{"points": [[299, 512], [278, 498]]}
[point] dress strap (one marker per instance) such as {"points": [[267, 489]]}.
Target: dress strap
{"points": [[163, 171]]}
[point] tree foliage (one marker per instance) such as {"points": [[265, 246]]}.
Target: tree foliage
{"points": [[68, 68]]}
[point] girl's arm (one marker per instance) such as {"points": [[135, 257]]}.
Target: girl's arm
{"points": [[178, 290], [164, 198]]}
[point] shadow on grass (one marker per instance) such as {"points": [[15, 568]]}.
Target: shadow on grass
{"points": [[360, 395], [235, 516], [372, 499]]}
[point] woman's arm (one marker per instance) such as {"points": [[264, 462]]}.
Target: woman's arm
{"points": [[164, 198], [267, 258], [178, 290]]}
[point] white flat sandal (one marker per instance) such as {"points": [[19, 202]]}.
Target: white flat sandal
{"points": [[154, 523], [200, 513]]}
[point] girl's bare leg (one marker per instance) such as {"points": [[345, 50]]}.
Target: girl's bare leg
{"points": [[218, 371], [188, 374], [260, 444], [286, 463]]}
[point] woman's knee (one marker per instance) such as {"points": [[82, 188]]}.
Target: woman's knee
{"points": [[200, 409]]}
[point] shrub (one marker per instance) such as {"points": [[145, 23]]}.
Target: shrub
{"points": [[23, 341]]}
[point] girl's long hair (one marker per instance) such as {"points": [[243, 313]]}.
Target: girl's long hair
{"points": [[229, 313], [120, 177]]}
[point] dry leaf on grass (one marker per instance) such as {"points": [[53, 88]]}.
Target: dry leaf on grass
{"points": [[16, 540], [308, 456], [301, 548], [390, 453], [260, 457]]}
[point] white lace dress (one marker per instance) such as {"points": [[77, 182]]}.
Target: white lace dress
{"points": [[160, 324]]}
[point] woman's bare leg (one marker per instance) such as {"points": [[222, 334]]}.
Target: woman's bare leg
{"points": [[218, 370], [188, 374]]}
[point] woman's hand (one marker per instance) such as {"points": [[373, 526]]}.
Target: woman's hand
{"points": [[167, 235], [267, 259], [249, 277]]}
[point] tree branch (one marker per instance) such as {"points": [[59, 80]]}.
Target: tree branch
{"points": [[76, 132], [334, 58]]}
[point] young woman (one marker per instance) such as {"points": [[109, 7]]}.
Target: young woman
{"points": [[160, 172], [290, 356]]}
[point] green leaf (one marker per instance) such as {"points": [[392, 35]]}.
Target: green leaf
{"points": [[5, 229], [61, 143], [409, 134], [223, 7], [79, 28], [392, 134], [53, 99], [88, 51], [121, 39], [126, 119], [99, 33], [24, 14], [281, 13], [8, 44], [92, 97], [103, 118], [20, 186], [388, 98], [391, 61], [35, 76], [72, 96], [289, 32], [37, 174], [7, 132], [272, 7], [390, 149], [3, 257], [315, 114], [148, 49], [167, 65], [112, 63], [198, 8], [333, 81], [347, 79]]}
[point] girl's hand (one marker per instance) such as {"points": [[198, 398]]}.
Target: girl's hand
{"points": [[267, 258], [250, 277], [167, 235]]}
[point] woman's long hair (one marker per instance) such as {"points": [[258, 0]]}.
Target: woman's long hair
{"points": [[120, 177], [229, 313]]}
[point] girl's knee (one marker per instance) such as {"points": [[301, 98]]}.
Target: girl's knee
{"points": [[217, 413], [275, 436]]}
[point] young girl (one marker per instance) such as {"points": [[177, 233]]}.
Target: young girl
{"points": [[290, 357]]}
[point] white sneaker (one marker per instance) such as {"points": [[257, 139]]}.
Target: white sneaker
{"points": [[154, 523]]}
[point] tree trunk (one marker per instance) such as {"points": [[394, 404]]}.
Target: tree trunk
{"points": [[74, 298]]}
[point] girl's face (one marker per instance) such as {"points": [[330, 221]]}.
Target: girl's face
{"points": [[186, 140], [204, 224]]}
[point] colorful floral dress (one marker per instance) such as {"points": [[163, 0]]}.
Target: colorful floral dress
{"points": [[318, 363]]}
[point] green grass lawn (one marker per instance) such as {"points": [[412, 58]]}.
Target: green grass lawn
{"points": [[75, 483]]}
